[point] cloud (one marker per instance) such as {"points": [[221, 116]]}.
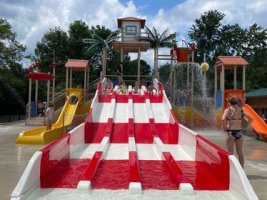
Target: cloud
{"points": [[30, 19], [181, 17]]}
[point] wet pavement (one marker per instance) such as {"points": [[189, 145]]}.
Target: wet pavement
{"points": [[14, 158]]}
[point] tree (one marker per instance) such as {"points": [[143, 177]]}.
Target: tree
{"points": [[232, 39], [213, 38], [130, 68], [10, 49], [164, 72], [78, 30], [12, 81], [54, 45], [158, 40], [206, 33], [100, 44]]}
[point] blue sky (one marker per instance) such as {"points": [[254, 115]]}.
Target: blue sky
{"points": [[30, 19], [151, 7]]}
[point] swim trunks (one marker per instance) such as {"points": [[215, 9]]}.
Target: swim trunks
{"points": [[235, 133]]}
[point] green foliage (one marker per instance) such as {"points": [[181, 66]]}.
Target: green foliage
{"points": [[130, 68], [53, 46], [206, 33], [10, 49], [164, 72], [78, 30], [156, 39], [12, 75], [213, 39], [257, 70]]}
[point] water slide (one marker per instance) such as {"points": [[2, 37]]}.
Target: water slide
{"points": [[258, 125], [132, 147], [41, 135]]}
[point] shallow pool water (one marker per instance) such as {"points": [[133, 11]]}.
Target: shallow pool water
{"points": [[73, 194]]}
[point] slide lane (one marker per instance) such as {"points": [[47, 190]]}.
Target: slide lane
{"points": [[134, 171], [93, 164], [258, 125], [176, 172]]}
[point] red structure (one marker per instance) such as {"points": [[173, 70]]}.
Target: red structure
{"points": [[37, 76]]}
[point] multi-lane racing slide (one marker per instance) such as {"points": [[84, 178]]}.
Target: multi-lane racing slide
{"points": [[41, 135], [258, 125], [132, 147]]}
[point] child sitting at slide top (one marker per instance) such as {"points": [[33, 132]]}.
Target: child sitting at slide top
{"points": [[122, 88]]}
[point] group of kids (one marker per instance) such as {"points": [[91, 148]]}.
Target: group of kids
{"points": [[123, 89]]}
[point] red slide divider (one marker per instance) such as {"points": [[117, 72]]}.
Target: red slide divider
{"points": [[133, 159], [175, 169], [172, 164], [92, 167]]}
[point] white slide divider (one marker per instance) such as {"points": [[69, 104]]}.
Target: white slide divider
{"points": [[30, 179], [187, 140], [77, 135], [239, 181]]}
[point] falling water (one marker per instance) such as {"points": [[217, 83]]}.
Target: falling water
{"points": [[192, 102]]}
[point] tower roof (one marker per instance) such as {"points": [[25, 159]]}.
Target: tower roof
{"points": [[78, 65], [230, 62], [131, 19]]}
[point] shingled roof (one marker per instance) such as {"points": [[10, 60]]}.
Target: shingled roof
{"points": [[230, 62], [78, 65], [131, 19]]}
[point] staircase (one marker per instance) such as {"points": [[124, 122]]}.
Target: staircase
{"points": [[35, 121]]}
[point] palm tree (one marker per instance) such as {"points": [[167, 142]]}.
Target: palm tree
{"points": [[100, 44], [158, 40]]}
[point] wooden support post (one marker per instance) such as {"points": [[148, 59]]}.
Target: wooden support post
{"points": [[30, 99], [70, 77], [48, 92], [235, 78], [138, 72], [244, 77], [84, 87], [53, 92], [67, 79], [215, 85], [222, 85]]}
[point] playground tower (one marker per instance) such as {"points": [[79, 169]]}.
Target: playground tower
{"points": [[131, 40]]}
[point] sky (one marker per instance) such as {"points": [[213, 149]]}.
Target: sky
{"points": [[31, 19]]}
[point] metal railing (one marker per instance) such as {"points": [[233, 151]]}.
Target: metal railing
{"points": [[137, 36]]}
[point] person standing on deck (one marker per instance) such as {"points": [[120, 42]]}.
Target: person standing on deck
{"points": [[232, 119]]}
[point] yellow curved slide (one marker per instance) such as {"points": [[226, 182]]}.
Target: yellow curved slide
{"points": [[258, 124], [41, 135]]}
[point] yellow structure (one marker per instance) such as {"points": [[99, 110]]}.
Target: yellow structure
{"points": [[42, 136]]}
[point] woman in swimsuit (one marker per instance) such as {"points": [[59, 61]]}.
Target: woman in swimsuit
{"points": [[232, 124]]}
